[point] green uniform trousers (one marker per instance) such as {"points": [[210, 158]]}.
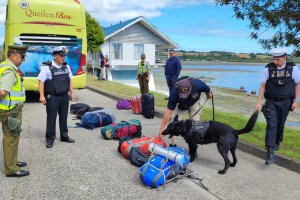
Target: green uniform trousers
{"points": [[143, 82], [10, 143]]}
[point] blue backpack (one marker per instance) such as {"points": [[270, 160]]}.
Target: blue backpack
{"points": [[99, 118], [159, 170]]}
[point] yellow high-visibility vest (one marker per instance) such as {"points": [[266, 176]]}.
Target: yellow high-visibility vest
{"points": [[143, 69], [17, 94]]}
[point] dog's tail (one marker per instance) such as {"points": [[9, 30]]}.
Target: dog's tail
{"points": [[250, 124]]}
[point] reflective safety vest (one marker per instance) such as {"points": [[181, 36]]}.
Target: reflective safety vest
{"points": [[17, 94], [143, 68]]}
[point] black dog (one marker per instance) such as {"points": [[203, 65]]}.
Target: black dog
{"points": [[225, 136]]}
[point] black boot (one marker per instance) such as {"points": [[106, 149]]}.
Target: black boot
{"points": [[271, 158]]}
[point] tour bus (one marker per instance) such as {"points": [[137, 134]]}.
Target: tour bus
{"points": [[43, 25]]}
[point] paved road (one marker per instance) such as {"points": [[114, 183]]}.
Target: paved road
{"points": [[93, 169]]}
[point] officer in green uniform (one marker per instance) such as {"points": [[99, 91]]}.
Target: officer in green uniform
{"points": [[12, 97], [143, 74]]}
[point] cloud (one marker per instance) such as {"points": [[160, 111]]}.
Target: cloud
{"points": [[2, 11], [111, 11]]}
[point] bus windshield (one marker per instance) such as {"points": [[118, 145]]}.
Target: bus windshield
{"points": [[40, 50]]}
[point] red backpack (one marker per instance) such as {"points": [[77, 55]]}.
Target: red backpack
{"points": [[142, 143], [136, 104]]}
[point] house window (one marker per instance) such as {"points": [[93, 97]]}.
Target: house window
{"points": [[138, 50], [117, 51]]}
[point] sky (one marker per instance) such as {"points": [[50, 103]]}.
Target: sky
{"points": [[198, 25]]}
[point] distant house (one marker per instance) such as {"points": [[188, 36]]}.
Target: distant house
{"points": [[124, 42]]}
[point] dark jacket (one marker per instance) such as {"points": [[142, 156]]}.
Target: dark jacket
{"points": [[197, 87], [173, 66]]}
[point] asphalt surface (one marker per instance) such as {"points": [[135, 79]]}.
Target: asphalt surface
{"points": [[92, 168]]}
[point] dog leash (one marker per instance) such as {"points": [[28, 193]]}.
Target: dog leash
{"points": [[199, 109], [213, 105]]}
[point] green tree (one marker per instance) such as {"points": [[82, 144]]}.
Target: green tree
{"points": [[283, 17], [95, 35]]}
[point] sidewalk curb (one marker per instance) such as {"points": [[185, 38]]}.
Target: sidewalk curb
{"points": [[282, 160]]}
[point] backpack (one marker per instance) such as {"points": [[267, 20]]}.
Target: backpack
{"points": [[136, 104], [99, 118], [74, 108], [137, 157], [123, 104], [82, 111], [131, 128], [142, 143], [160, 170]]}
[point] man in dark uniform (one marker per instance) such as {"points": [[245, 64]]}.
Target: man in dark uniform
{"points": [[280, 87], [184, 97], [54, 85], [172, 70], [12, 97]]}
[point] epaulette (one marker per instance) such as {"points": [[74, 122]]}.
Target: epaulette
{"points": [[48, 63]]}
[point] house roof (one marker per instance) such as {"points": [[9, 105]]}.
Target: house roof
{"points": [[115, 29]]}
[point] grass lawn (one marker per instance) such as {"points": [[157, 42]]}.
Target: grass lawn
{"points": [[289, 147]]}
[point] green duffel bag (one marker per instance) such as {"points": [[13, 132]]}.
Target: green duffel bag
{"points": [[132, 128]]}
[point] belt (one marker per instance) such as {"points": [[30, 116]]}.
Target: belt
{"points": [[279, 99]]}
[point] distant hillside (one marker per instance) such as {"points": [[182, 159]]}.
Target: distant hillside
{"points": [[228, 56]]}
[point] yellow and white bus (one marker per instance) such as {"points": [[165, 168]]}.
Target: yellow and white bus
{"points": [[43, 25]]}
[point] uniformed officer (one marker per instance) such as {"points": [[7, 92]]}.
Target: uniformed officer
{"points": [[185, 96], [12, 97], [54, 85], [280, 87], [143, 74]]}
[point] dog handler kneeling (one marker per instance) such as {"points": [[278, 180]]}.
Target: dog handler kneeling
{"points": [[185, 96]]}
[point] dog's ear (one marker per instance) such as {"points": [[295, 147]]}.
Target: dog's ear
{"points": [[176, 118]]}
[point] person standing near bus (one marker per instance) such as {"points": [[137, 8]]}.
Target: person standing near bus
{"points": [[280, 85], [106, 65], [12, 97], [101, 65], [172, 70], [54, 85], [143, 74]]}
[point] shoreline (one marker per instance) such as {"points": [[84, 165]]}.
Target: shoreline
{"points": [[214, 63]]}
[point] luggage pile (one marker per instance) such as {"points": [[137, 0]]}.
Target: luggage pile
{"points": [[91, 117], [139, 104]]}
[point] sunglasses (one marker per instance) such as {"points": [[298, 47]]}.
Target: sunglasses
{"points": [[22, 56], [62, 55]]}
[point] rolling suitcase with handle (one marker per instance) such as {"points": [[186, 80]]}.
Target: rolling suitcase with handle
{"points": [[148, 106]]}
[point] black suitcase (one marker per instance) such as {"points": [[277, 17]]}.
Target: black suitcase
{"points": [[148, 106]]}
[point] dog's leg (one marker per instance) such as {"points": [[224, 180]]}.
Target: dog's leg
{"points": [[224, 153], [232, 150], [192, 151]]}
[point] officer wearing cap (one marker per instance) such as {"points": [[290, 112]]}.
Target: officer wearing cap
{"points": [[54, 85], [143, 74], [185, 96], [280, 87], [12, 97]]}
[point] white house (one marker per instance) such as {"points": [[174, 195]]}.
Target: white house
{"points": [[126, 41]]}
